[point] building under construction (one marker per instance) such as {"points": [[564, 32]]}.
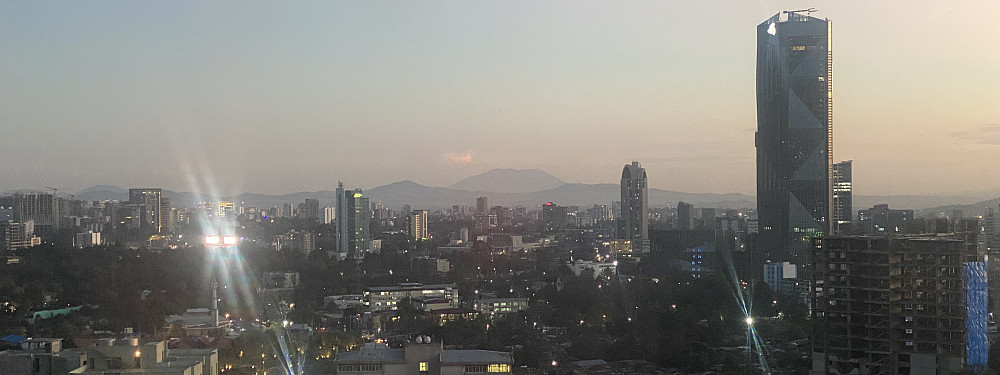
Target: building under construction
{"points": [[897, 305]]}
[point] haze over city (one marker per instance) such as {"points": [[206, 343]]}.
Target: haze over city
{"points": [[265, 97]]}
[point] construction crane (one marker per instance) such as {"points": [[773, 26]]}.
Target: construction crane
{"points": [[55, 190]]}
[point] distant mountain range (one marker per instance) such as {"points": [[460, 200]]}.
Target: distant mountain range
{"points": [[510, 181], [533, 187]]}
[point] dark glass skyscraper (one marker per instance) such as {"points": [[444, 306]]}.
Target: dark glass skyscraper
{"points": [[794, 132]]}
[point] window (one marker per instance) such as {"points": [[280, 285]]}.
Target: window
{"points": [[423, 367], [475, 369], [499, 368]]}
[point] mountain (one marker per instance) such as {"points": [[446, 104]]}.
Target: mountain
{"points": [[969, 210], [419, 196], [104, 188], [509, 181]]}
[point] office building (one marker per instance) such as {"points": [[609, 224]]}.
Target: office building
{"points": [[635, 206], [685, 216], [417, 225], [843, 211], [794, 133], [989, 244], [897, 305], [881, 219], [354, 220], [424, 357]]}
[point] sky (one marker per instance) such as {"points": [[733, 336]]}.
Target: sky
{"points": [[279, 97]]}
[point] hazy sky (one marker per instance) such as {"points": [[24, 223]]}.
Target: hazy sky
{"points": [[291, 96]]}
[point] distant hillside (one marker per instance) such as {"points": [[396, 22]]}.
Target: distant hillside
{"points": [[969, 210], [509, 181]]}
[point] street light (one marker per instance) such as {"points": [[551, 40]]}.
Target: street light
{"points": [[749, 321]]}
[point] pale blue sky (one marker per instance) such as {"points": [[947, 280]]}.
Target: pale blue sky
{"points": [[290, 96]]}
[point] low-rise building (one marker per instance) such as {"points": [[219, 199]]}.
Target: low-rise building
{"points": [[109, 356], [386, 298], [425, 357], [500, 306]]}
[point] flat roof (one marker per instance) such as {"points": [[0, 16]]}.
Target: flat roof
{"points": [[368, 355], [475, 357]]}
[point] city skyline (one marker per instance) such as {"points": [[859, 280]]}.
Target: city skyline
{"points": [[242, 96]]}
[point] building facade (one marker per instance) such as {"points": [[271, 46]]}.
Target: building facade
{"points": [[149, 202], [794, 133], [843, 209], [425, 357], [417, 225], [635, 207], [897, 305]]}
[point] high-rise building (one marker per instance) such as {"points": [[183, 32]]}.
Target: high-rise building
{"points": [[341, 218], [794, 132], [417, 224], [685, 216], [150, 207], [358, 223], [635, 207], [310, 209], [482, 206], [843, 211], [897, 305], [989, 244], [329, 214], [41, 208]]}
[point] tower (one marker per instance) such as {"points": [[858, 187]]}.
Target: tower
{"points": [[341, 218], [634, 207], [794, 133]]}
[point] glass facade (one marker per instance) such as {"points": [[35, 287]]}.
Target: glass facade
{"points": [[794, 131]]}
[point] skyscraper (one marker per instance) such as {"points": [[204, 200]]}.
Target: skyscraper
{"points": [[341, 218], [634, 207], [794, 132], [150, 207], [843, 211], [358, 223]]}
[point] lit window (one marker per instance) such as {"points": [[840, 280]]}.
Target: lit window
{"points": [[423, 367], [499, 368]]}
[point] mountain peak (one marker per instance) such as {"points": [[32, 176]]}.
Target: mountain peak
{"points": [[508, 180]]}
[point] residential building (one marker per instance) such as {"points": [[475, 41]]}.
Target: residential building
{"points": [[42, 209], [635, 207], [482, 205], [794, 133], [149, 202], [897, 305], [417, 225], [329, 214]]}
